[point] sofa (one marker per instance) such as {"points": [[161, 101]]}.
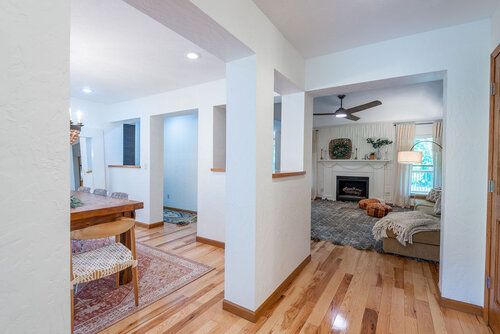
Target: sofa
{"points": [[425, 244]]}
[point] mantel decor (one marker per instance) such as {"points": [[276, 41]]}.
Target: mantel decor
{"points": [[340, 148]]}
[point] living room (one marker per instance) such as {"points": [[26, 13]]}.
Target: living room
{"points": [[356, 157]]}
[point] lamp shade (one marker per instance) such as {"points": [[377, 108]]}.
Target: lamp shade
{"points": [[409, 157]]}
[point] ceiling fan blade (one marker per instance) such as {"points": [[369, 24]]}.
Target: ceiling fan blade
{"points": [[324, 114], [352, 117], [363, 107]]}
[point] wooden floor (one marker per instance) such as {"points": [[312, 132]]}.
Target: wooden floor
{"points": [[342, 290]]}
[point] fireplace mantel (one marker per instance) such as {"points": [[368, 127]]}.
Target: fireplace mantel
{"points": [[375, 170], [355, 161]]}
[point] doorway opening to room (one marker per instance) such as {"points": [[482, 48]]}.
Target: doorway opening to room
{"points": [[180, 174], [377, 159]]}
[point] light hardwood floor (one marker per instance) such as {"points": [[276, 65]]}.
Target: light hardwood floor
{"points": [[342, 290]]}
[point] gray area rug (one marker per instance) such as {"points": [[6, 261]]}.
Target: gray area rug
{"points": [[343, 223]]}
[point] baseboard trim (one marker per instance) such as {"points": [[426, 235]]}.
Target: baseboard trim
{"points": [[461, 306], [181, 210], [148, 226], [211, 242], [253, 316]]}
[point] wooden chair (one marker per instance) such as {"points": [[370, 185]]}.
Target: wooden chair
{"points": [[101, 192], [107, 260], [119, 195], [84, 189]]}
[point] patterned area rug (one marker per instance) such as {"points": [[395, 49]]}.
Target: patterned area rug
{"points": [[343, 223], [178, 217], [99, 304]]}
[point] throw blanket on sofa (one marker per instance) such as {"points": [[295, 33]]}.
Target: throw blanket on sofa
{"points": [[405, 225]]}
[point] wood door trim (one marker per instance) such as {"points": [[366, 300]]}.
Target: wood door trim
{"points": [[489, 213]]}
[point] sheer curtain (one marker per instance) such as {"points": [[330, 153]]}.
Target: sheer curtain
{"points": [[405, 136], [437, 136]]}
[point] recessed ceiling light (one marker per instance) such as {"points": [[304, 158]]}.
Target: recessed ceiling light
{"points": [[192, 55], [87, 90]]}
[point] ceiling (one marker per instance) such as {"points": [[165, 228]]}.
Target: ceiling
{"points": [[123, 54], [415, 102], [318, 27]]}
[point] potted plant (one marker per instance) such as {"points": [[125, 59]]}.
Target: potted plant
{"points": [[377, 144]]}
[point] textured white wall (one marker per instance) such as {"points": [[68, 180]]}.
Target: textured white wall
{"points": [[495, 28], [34, 173], [282, 218], [465, 156], [211, 186], [180, 167]]}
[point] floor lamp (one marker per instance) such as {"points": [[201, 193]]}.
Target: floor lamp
{"points": [[412, 157]]}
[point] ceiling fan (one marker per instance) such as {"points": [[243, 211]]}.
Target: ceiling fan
{"points": [[348, 113]]}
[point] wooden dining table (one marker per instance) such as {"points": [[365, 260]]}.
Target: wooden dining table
{"points": [[102, 209]]}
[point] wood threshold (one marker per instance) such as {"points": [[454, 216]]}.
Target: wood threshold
{"points": [[181, 210], [288, 174], [253, 316], [123, 166], [218, 170], [148, 226], [211, 242]]}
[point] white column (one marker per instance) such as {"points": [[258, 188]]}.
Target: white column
{"points": [[241, 182], [34, 169]]}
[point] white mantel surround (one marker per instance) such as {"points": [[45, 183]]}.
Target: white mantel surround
{"points": [[375, 170]]}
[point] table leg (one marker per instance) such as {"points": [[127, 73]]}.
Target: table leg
{"points": [[125, 238]]}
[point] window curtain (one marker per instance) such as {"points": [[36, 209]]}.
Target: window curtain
{"points": [[405, 136], [437, 154]]}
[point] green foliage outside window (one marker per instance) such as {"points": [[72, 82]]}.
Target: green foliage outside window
{"points": [[422, 176]]}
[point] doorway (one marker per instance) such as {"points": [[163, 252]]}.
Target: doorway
{"points": [[180, 171], [492, 288]]}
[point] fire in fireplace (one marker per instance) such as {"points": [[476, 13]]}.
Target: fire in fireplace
{"points": [[352, 188]]}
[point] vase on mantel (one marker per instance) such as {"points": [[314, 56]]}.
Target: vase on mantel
{"points": [[379, 154]]}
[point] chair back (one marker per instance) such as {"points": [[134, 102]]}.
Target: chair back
{"points": [[84, 189], [105, 230], [119, 195], [101, 192]]}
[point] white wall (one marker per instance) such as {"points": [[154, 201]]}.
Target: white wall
{"points": [[34, 146], [462, 51], [495, 28], [180, 167], [211, 186], [279, 223]]}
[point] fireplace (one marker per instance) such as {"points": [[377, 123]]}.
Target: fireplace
{"points": [[352, 188]]}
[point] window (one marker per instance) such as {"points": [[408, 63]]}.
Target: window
{"points": [[422, 176]]}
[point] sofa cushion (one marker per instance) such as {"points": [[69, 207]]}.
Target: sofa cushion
{"points": [[423, 202], [437, 207], [433, 195], [428, 237]]}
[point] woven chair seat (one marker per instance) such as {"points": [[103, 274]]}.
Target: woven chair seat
{"points": [[101, 262]]}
